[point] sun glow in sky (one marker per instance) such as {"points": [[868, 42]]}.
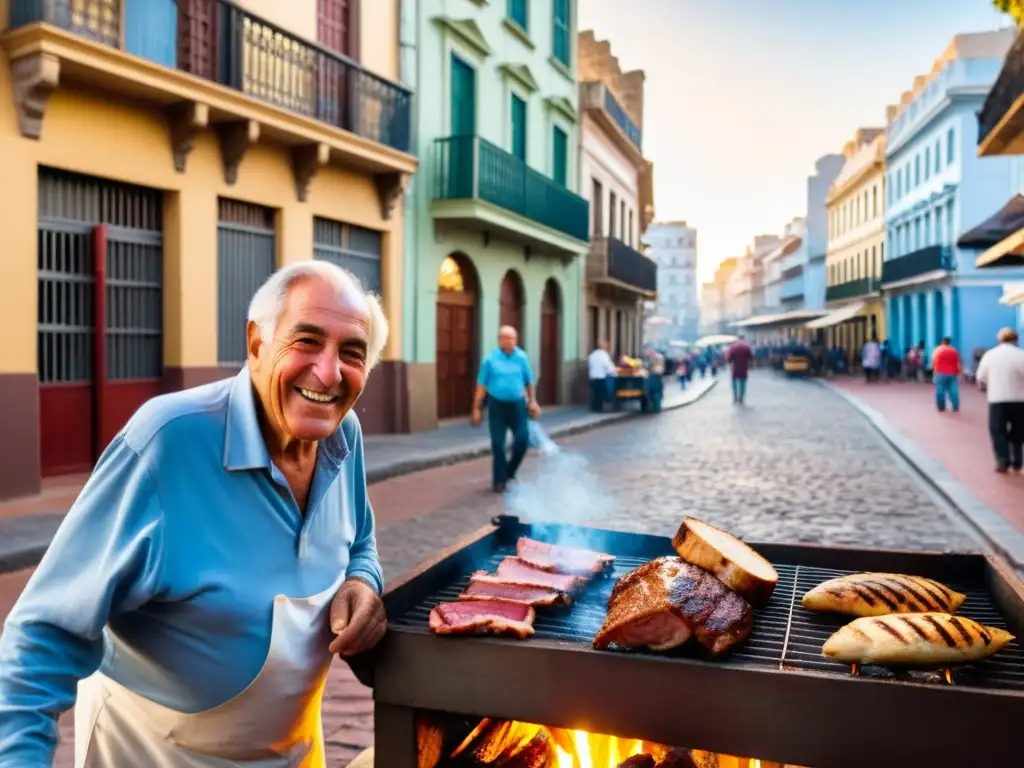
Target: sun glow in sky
{"points": [[742, 96]]}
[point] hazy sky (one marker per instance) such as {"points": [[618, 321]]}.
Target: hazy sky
{"points": [[743, 95]]}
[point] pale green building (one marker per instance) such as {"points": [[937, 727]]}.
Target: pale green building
{"points": [[495, 230]]}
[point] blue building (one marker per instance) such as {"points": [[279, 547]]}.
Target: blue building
{"points": [[938, 189], [826, 169]]}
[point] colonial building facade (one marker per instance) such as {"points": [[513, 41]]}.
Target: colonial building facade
{"points": [[499, 230], [673, 245], [856, 245], [161, 160], [617, 181], [937, 190]]}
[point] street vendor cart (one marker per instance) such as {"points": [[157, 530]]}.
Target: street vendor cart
{"points": [[633, 382]]}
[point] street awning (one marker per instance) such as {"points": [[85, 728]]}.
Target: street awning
{"points": [[837, 316], [1013, 295], [1007, 252], [783, 318], [997, 227]]}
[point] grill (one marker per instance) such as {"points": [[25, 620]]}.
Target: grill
{"points": [[775, 696]]}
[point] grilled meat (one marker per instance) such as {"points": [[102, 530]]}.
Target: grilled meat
{"points": [[485, 586], [663, 602], [878, 594], [558, 559], [915, 639], [478, 617], [515, 570], [735, 564]]}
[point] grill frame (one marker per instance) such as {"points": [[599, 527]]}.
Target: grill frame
{"points": [[806, 717]]}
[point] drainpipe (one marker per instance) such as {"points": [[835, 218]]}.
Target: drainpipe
{"points": [[408, 75]]}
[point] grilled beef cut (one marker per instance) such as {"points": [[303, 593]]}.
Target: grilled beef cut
{"points": [[663, 602], [517, 571], [485, 586], [558, 559], [479, 617]]}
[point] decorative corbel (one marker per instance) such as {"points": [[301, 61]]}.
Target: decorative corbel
{"points": [[34, 76], [186, 120], [389, 188], [235, 138], [306, 161]]}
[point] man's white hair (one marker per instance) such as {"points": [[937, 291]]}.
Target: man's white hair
{"points": [[267, 303]]}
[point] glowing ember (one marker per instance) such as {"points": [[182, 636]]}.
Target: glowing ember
{"points": [[948, 674]]}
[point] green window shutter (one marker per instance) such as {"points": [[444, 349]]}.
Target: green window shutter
{"points": [[518, 127], [560, 156], [562, 39], [463, 98], [517, 12]]}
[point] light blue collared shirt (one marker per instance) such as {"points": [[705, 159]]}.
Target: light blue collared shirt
{"points": [[506, 376], [164, 572]]}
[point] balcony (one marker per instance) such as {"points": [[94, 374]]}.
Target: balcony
{"points": [[934, 258], [852, 289], [479, 186], [792, 289], [612, 262], [602, 105], [1001, 119], [211, 64]]}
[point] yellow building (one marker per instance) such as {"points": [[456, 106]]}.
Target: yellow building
{"points": [[160, 159], [856, 246]]}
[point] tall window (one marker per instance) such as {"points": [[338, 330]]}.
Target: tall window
{"points": [[938, 155], [559, 156], [518, 127], [597, 206], [927, 163], [630, 233], [562, 38], [917, 170], [950, 149], [874, 202], [622, 220], [463, 98], [517, 12], [611, 213]]}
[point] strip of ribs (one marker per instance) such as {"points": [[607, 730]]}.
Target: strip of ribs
{"points": [[664, 602], [517, 571], [479, 617], [558, 559], [485, 586]]}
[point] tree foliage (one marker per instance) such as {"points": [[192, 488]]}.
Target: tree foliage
{"points": [[1013, 7]]}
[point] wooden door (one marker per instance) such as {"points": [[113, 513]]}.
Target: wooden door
{"points": [[463, 98], [457, 340], [512, 304], [550, 344]]}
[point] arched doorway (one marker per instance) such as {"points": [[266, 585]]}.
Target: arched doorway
{"points": [[550, 343], [457, 296], [512, 294]]}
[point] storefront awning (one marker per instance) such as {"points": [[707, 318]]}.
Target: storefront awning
{"points": [[1013, 295], [997, 227], [1007, 252], [783, 318], [838, 316]]}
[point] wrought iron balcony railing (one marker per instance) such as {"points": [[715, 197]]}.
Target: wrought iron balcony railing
{"points": [[471, 168], [597, 95], [851, 289], [920, 262], [613, 260], [219, 41], [1007, 88]]}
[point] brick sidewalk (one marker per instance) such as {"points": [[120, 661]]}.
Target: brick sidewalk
{"points": [[958, 441]]}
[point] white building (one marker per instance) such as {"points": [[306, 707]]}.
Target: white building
{"points": [[673, 246]]}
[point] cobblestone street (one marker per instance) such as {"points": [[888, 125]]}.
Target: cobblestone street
{"points": [[797, 463]]}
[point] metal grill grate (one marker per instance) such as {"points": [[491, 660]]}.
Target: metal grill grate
{"points": [[785, 636]]}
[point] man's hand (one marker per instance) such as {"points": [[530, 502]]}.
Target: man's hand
{"points": [[357, 618], [476, 416], [533, 409]]}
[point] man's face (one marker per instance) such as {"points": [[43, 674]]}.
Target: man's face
{"points": [[314, 369], [507, 340]]}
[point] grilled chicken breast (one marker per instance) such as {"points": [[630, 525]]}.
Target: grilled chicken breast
{"points": [[915, 639], [878, 594]]}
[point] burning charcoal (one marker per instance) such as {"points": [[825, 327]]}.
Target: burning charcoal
{"points": [[539, 753], [638, 761], [429, 744], [682, 758]]}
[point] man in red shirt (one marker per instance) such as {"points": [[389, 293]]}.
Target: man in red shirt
{"points": [[946, 369], [739, 355]]}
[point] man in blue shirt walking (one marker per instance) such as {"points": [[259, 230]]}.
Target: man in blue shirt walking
{"points": [[507, 381]]}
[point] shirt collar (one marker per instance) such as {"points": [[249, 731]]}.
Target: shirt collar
{"points": [[244, 447]]}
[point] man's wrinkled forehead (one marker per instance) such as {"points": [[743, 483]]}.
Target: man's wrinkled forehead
{"points": [[322, 302]]}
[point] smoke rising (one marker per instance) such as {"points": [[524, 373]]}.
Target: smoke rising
{"points": [[563, 490]]}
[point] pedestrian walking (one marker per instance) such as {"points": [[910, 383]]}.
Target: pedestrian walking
{"points": [[1001, 374], [871, 359], [946, 370], [219, 557], [506, 380], [599, 368], [739, 355]]}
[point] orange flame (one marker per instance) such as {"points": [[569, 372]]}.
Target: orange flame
{"points": [[590, 750]]}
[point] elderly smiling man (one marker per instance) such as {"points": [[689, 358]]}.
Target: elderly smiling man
{"points": [[192, 592]]}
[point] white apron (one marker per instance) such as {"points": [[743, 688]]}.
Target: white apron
{"points": [[273, 723]]}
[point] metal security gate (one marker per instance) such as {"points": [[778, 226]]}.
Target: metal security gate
{"points": [[100, 265], [350, 247], [246, 256]]}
